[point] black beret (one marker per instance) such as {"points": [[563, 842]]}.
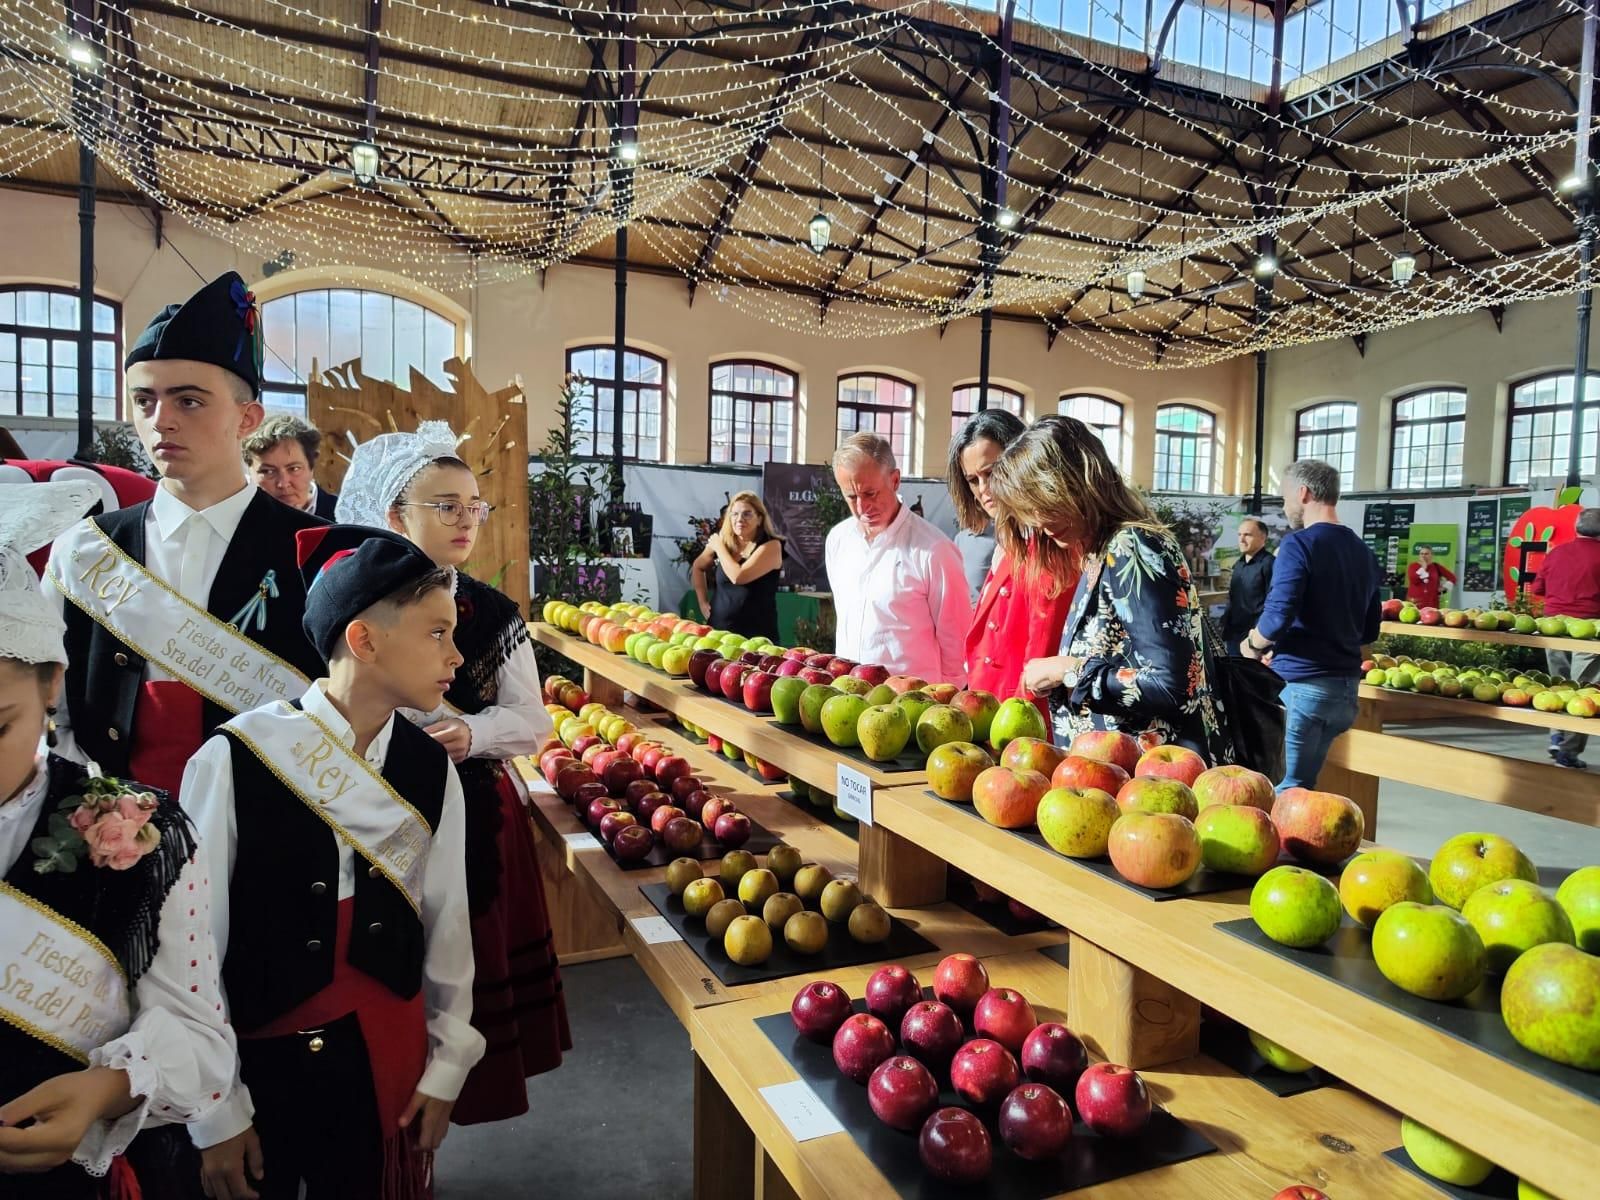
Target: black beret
{"points": [[219, 324], [347, 569]]}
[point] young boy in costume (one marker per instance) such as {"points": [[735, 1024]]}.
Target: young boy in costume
{"points": [[336, 830]]}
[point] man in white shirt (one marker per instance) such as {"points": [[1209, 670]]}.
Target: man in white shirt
{"points": [[899, 591]]}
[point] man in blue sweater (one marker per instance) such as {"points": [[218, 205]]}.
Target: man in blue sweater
{"points": [[1321, 609]]}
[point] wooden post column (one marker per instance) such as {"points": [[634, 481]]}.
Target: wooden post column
{"points": [[1347, 781], [724, 1148], [1125, 1015], [898, 873]]}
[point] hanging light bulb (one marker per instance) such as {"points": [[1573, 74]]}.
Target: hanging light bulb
{"points": [[628, 149], [821, 232], [1403, 268], [1135, 284], [364, 162], [82, 53], [1005, 218], [1266, 265]]}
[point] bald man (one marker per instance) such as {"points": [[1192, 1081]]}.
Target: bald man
{"points": [[1252, 578]]}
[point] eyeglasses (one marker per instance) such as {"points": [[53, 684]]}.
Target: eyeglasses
{"points": [[450, 511]]}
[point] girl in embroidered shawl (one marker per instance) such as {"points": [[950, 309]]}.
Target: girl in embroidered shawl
{"points": [[414, 484], [110, 1017]]}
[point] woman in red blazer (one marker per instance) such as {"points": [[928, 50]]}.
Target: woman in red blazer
{"points": [[1014, 620]]}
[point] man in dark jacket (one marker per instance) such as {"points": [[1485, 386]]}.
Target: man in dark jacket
{"points": [[281, 456], [1252, 579]]}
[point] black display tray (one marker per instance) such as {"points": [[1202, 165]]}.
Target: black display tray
{"points": [[1061, 953], [1203, 882], [840, 951], [995, 913], [1501, 1184], [1088, 1160], [761, 840], [1347, 960], [1229, 1043]]}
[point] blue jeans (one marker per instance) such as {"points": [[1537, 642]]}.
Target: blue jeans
{"points": [[1316, 711]]}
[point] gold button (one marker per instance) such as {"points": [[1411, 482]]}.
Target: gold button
{"points": [[375, 927], [113, 734], [120, 659], [992, 625], [1005, 591], [318, 888], [373, 872], [314, 945], [314, 1045]]}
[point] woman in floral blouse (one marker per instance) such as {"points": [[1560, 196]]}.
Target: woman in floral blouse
{"points": [[1131, 651]]}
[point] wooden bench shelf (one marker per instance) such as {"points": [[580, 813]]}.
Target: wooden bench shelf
{"points": [[1536, 641]]}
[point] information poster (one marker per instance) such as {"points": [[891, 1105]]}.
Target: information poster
{"points": [[789, 491], [1481, 566], [1442, 539], [1383, 528]]}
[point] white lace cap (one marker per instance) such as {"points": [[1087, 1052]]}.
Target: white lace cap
{"points": [[381, 467], [33, 515]]}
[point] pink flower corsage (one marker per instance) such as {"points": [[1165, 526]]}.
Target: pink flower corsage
{"points": [[109, 824]]}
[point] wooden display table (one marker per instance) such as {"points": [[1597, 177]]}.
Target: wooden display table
{"points": [[1331, 1137], [1537, 641]]}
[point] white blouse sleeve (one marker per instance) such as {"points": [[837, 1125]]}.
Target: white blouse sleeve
{"points": [[518, 723]]}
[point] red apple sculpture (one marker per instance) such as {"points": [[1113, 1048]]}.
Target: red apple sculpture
{"points": [[862, 1044], [931, 1033], [954, 1147], [1035, 1122], [818, 1010], [983, 1072], [902, 1092], [1112, 1100]]}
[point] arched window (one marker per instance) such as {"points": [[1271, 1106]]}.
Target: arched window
{"points": [[1186, 439], [752, 413], [1328, 431], [644, 392], [1539, 428], [1103, 416], [964, 403], [39, 353], [1429, 430], [880, 404], [387, 336]]}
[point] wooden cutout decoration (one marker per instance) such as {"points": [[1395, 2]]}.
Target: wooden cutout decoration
{"points": [[345, 404]]}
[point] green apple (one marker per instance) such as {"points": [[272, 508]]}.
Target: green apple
{"points": [[881, 694], [811, 702], [1016, 718], [786, 693], [1551, 1004], [939, 724], [1513, 916], [915, 702], [1077, 821], [882, 730], [1581, 627], [840, 717], [1468, 861], [1428, 950], [1279, 1056], [1295, 907], [1237, 838], [1375, 879], [1529, 1191], [1445, 1160], [1579, 895], [852, 685]]}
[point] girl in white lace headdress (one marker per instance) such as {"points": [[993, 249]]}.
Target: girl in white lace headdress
{"points": [[418, 486], [98, 865]]}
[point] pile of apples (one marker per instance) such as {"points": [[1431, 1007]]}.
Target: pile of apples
{"points": [[1013, 1072], [627, 629], [1531, 689], [747, 907], [1160, 815], [1477, 910], [1490, 620]]}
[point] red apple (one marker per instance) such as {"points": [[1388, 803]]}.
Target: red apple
{"points": [[681, 787], [640, 749], [960, 981], [681, 834], [1075, 772], [713, 809], [1154, 850], [769, 663], [587, 794], [1003, 1015], [1031, 754], [788, 666], [633, 842], [628, 741], [1318, 827], [871, 672], [569, 776], [1430, 616], [581, 745], [1023, 913], [713, 743], [1391, 609], [1150, 793], [1035, 1122], [1234, 785], [954, 1147], [614, 821], [695, 802], [816, 675], [1170, 762], [1301, 1191], [901, 684], [713, 675], [604, 756], [902, 1093], [649, 805], [1007, 798], [757, 691], [551, 761], [983, 1072], [731, 681], [861, 1045], [819, 1009], [1108, 746], [891, 991], [699, 667], [599, 807], [619, 773], [931, 1032], [1112, 1100], [638, 790], [1055, 1055], [669, 767], [651, 758], [663, 814], [799, 653], [821, 662], [732, 829], [840, 666]]}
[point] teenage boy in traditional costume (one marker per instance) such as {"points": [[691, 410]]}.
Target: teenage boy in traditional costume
{"points": [[184, 610], [346, 948], [415, 485], [110, 1014]]}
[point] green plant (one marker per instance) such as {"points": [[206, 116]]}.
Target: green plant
{"points": [[831, 508], [116, 445]]}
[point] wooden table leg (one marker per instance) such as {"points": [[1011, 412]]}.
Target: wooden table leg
{"points": [[602, 689], [1359, 786], [582, 930], [1125, 1015], [770, 1181], [898, 873], [724, 1148]]}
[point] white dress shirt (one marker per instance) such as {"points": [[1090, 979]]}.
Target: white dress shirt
{"points": [[454, 1046], [179, 1052], [517, 724], [900, 599]]}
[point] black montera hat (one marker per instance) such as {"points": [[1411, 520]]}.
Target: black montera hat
{"points": [[219, 324], [347, 569]]}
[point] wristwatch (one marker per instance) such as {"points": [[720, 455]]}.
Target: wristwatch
{"points": [[1069, 677], [1250, 638]]}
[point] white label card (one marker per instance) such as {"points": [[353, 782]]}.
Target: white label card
{"points": [[854, 793], [655, 930], [582, 841], [800, 1110]]}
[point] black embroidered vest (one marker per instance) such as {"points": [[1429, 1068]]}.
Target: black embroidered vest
{"points": [[284, 894]]}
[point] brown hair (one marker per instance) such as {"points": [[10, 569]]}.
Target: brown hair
{"points": [[1057, 475], [754, 501], [282, 428], [992, 424]]}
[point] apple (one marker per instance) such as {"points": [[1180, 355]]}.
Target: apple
{"points": [[883, 731], [983, 1072], [1295, 907], [732, 829], [650, 758], [1428, 950], [861, 1045], [1170, 762], [954, 767], [1154, 850], [669, 767], [614, 821], [1023, 913], [902, 1092], [770, 663], [700, 666], [954, 1147], [821, 661], [1053, 1054], [1107, 745], [731, 682], [650, 804], [1078, 773], [587, 793], [1550, 1002], [841, 717], [901, 684], [1031, 754], [960, 981], [1035, 1122], [798, 653], [1154, 794], [1281, 1057], [1237, 838], [853, 686], [811, 702], [937, 724], [1004, 1016], [1579, 896], [681, 834], [757, 691], [1016, 718], [637, 791], [589, 741], [681, 788], [1318, 827], [1391, 609], [1470, 861], [788, 668], [931, 1032], [786, 693], [819, 1009], [551, 760], [751, 658], [891, 992], [633, 842], [569, 776], [1301, 1191], [870, 673], [1234, 785], [661, 815], [1007, 798], [1513, 916], [815, 676], [713, 674], [838, 667], [1077, 822], [713, 809], [1375, 879], [979, 707], [1445, 1160], [600, 807], [1430, 616], [1112, 1100]]}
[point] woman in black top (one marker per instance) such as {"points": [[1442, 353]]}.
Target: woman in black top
{"points": [[741, 562]]}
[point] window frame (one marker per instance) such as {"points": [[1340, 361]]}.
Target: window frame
{"points": [[1206, 437], [639, 388], [1301, 430], [49, 334], [1586, 408], [754, 399], [959, 416], [1396, 421], [1121, 427], [857, 407]]}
